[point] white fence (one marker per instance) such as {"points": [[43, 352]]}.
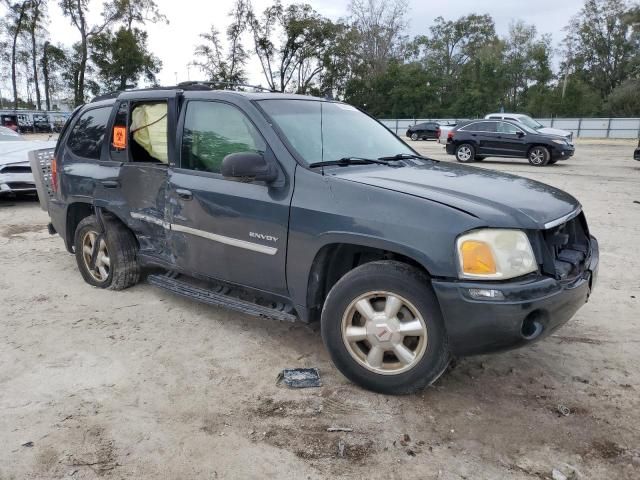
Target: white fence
{"points": [[581, 127]]}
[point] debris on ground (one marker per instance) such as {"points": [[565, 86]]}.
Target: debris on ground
{"points": [[299, 377], [564, 410], [558, 475], [27, 444], [339, 429], [341, 447]]}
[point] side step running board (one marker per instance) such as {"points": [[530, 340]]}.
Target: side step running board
{"points": [[218, 299]]}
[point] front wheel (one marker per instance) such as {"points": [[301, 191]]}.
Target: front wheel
{"points": [[539, 156], [414, 137], [382, 326], [465, 153]]}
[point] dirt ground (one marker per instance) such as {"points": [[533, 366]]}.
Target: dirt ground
{"points": [[143, 384]]}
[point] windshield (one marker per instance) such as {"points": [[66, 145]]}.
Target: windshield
{"points": [[8, 135], [326, 131], [530, 122]]}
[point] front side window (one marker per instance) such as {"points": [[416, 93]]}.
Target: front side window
{"points": [[88, 133], [324, 131], [504, 127], [213, 130]]}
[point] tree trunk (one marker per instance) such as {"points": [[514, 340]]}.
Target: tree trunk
{"points": [[16, 34], [34, 57], [79, 94], [45, 74]]}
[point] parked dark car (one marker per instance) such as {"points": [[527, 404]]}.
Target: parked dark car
{"points": [[41, 124], [636, 154], [423, 131], [295, 207], [476, 140]]}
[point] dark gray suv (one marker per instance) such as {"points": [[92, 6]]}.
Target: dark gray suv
{"points": [[294, 207]]}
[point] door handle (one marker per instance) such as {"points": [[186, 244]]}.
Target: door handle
{"points": [[110, 183], [184, 193]]}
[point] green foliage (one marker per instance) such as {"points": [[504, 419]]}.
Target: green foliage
{"points": [[122, 58], [624, 101]]}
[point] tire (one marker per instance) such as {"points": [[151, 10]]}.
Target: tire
{"points": [[374, 283], [539, 156], [414, 137], [465, 153], [115, 264]]}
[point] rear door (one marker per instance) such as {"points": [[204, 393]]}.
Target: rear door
{"points": [[138, 194], [222, 228], [483, 135]]}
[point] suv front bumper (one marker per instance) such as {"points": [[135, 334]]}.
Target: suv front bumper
{"points": [[483, 326]]}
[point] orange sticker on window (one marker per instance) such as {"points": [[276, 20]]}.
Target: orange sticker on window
{"points": [[120, 137]]}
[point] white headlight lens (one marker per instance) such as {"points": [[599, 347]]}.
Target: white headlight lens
{"points": [[495, 254]]}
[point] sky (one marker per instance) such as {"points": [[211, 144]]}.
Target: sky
{"points": [[174, 43]]}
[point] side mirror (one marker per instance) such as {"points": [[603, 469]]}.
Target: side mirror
{"points": [[520, 134], [248, 166]]}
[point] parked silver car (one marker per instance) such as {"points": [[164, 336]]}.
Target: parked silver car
{"points": [[15, 170]]}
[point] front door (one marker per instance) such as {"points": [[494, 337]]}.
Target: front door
{"points": [[222, 228], [511, 140]]}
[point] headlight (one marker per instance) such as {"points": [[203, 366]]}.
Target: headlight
{"points": [[561, 142], [495, 254]]}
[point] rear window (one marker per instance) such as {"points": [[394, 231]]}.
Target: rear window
{"points": [[88, 133]]}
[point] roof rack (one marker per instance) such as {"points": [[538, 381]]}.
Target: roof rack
{"points": [[212, 83], [190, 85]]}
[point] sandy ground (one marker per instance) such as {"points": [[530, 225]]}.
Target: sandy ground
{"points": [[142, 384]]}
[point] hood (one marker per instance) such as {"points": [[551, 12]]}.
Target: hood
{"points": [[554, 131], [499, 199], [15, 152]]}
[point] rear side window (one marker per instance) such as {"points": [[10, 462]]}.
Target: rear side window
{"points": [[481, 127], [213, 130], [88, 133]]}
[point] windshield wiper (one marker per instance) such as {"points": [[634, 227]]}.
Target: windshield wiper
{"points": [[349, 161], [403, 156]]}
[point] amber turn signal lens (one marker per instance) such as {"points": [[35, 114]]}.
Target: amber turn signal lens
{"points": [[477, 258]]}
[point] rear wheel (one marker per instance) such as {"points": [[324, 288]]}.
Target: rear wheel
{"points": [[539, 156], [414, 136], [382, 326], [106, 259], [465, 153]]}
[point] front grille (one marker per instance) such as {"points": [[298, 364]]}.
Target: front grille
{"points": [[567, 249], [15, 169]]}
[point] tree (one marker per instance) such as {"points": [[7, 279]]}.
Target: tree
{"points": [[297, 55], [624, 101], [210, 57], [121, 58], [77, 11], [601, 45], [15, 19], [53, 57], [527, 61], [380, 25], [35, 16]]}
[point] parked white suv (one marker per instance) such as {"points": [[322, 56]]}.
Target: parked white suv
{"points": [[531, 123]]}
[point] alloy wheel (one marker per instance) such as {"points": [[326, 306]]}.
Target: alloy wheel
{"points": [[96, 256], [464, 153], [536, 156], [384, 332]]}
